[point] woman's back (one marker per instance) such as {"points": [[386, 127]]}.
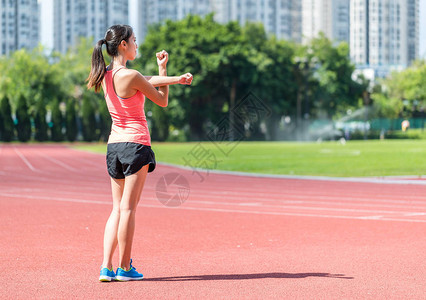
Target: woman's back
{"points": [[128, 117]]}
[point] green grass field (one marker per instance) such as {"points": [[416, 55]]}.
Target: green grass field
{"points": [[355, 158]]}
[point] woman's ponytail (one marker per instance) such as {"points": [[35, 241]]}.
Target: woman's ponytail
{"points": [[98, 69], [113, 37]]}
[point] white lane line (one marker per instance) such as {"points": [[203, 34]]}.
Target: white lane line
{"points": [[69, 191], [372, 217], [250, 190], [281, 206], [303, 177], [312, 208], [60, 199], [401, 220], [261, 202], [29, 165], [374, 180], [69, 168], [289, 214], [375, 218], [302, 197], [56, 179], [414, 214], [272, 189], [246, 192]]}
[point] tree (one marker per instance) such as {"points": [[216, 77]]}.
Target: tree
{"points": [[401, 94], [6, 122], [409, 84], [40, 121], [385, 107], [88, 119], [333, 89], [241, 67], [23, 126], [104, 121], [160, 124], [222, 60], [29, 73], [277, 86], [404, 92], [71, 121], [57, 122]]}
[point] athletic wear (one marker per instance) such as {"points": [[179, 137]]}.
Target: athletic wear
{"points": [[128, 150], [124, 159], [127, 114], [107, 275], [129, 142], [128, 275]]}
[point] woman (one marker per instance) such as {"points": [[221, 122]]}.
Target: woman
{"points": [[129, 154]]}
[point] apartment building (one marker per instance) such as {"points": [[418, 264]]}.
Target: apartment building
{"points": [[19, 25], [85, 18]]}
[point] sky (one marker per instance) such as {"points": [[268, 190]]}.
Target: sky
{"points": [[46, 17], [47, 23]]}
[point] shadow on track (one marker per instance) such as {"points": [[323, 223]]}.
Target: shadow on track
{"points": [[247, 276]]}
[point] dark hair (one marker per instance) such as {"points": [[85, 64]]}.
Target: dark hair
{"points": [[113, 37]]}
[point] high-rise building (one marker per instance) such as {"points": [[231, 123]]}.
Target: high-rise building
{"points": [[19, 25], [222, 10], [384, 33], [279, 17], [413, 29], [157, 11], [86, 18], [330, 17]]}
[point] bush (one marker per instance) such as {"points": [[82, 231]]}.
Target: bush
{"points": [[23, 126], [88, 120], [176, 135], [394, 134], [71, 121], [40, 122], [160, 124], [57, 122], [402, 135], [7, 132], [104, 121]]}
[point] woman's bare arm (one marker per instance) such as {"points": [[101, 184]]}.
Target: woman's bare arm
{"points": [[157, 81], [147, 84], [159, 97]]}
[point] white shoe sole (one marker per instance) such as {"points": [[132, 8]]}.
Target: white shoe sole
{"points": [[124, 278], [105, 278]]}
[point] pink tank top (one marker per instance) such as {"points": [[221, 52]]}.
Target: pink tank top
{"points": [[127, 114]]}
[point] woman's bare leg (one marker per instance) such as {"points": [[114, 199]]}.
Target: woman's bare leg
{"points": [[131, 194], [111, 227]]}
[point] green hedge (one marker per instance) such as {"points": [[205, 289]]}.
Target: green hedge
{"points": [[391, 134]]}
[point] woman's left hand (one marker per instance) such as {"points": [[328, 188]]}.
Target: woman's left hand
{"points": [[162, 58], [186, 78]]}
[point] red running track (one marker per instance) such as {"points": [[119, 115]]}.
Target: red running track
{"points": [[235, 236]]}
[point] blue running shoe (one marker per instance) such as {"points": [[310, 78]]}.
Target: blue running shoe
{"points": [[128, 275], [107, 275]]}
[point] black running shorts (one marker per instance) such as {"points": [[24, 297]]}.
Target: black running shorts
{"points": [[124, 159]]}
